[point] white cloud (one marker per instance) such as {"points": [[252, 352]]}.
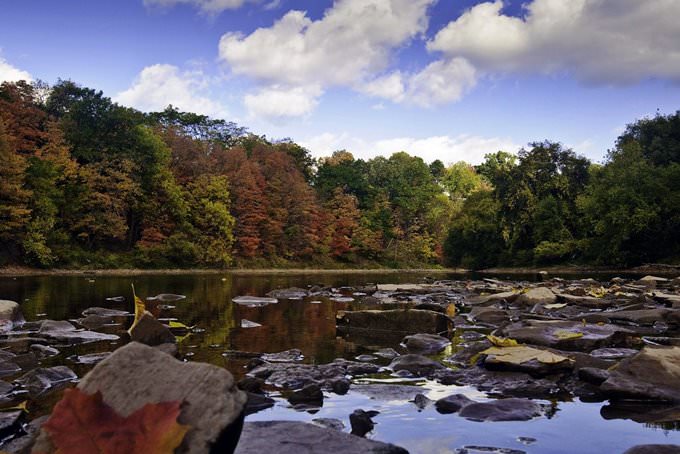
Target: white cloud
{"points": [[441, 82], [389, 87], [278, 104], [206, 6], [9, 73], [445, 148], [156, 86], [606, 41]]}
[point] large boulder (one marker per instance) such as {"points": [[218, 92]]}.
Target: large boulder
{"points": [[10, 315], [411, 321], [136, 375], [293, 437], [653, 374]]}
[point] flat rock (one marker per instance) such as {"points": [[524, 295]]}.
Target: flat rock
{"points": [[411, 321], [654, 449], [388, 392], [515, 384], [418, 365], [488, 300], [257, 402], [286, 356], [614, 353], [488, 315], [291, 293], [296, 376], [292, 437], [136, 374], [585, 301], [10, 315], [310, 394], [150, 331], [95, 321], [254, 300], [104, 312], [43, 380], [452, 403], [538, 295], [425, 344], [652, 374], [512, 409], [90, 358]]}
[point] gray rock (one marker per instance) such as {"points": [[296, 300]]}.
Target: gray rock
{"points": [[452, 403], [44, 351], [90, 358], [136, 374], [23, 445], [63, 331], [515, 384], [288, 293], [296, 376], [593, 375], [425, 343], [422, 401], [95, 321], [44, 380], [9, 368], [56, 326], [254, 300], [388, 392], [512, 409], [249, 324], [166, 297], [614, 353], [286, 356], [653, 374], [538, 295], [292, 437], [586, 301], [488, 300], [257, 402], [104, 312], [329, 423], [488, 315], [366, 358], [418, 365], [411, 321], [654, 449], [310, 395], [150, 331], [361, 422], [10, 315], [388, 353], [9, 422]]}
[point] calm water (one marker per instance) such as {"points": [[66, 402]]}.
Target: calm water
{"points": [[573, 426]]}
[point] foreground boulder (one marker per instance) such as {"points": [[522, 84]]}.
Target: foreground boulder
{"points": [[292, 437], [653, 374], [136, 374]]}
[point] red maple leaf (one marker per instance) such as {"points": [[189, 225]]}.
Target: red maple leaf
{"points": [[85, 424]]}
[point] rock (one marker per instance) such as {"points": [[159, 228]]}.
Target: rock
{"points": [[168, 348], [329, 423], [488, 300], [538, 362], [593, 375], [410, 321], [512, 409], [425, 343], [166, 297], [150, 331], [388, 353], [9, 368], [515, 384], [104, 312], [248, 324], [292, 437], [251, 385], [643, 317], [538, 295], [136, 374], [418, 365], [567, 335], [95, 321], [651, 281], [56, 326], [284, 357], [614, 353], [23, 445], [422, 401], [654, 449], [488, 315], [340, 385], [310, 395], [452, 403], [10, 315], [9, 422], [292, 293], [476, 449], [90, 358], [653, 374], [585, 301], [257, 402], [43, 380], [63, 331], [361, 423], [296, 376], [387, 392], [254, 301], [366, 358]]}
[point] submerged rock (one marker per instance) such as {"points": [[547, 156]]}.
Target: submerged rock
{"points": [[452, 403], [512, 409], [425, 343], [104, 312], [654, 449], [43, 380], [287, 437]]}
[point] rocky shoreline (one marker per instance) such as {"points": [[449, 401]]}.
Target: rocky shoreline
{"points": [[519, 343]]}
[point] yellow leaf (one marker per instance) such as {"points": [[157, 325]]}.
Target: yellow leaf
{"points": [[502, 341], [178, 325], [597, 292], [522, 354], [451, 310], [21, 406], [564, 334], [140, 308]]}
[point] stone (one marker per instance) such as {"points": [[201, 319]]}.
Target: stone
{"points": [[340, 385], [654, 449], [150, 331], [418, 365], [10, 315], [257, 402], [89, 359], [422, 401], [254, 301], [56, 326], [63, 331], [23, 444], [488, 300], [366, 358], [41, 381], [169, 348], [512, 409], [9, 368], [293, 437], [249, 324], [251, 384], [311, 394], [593, 375], [586, 301], [614, 353], [652, 374], [425, 344], [387, 353], [361, 423], [166, 297], [488, 315], [136, 374], [452, 403], [329, 423], [515, 384], [292, 293], [9, 422], [538, 295], [95, 321], [296, 376], [410, 321], [104, 312], [286, 356], [388, 392]]}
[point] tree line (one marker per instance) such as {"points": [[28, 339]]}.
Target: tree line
{"points": [[85, 182]]}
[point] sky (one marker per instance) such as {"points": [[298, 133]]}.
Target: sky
{"points": [[440, 79]]}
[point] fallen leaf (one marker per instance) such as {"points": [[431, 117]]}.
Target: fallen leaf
{"points": [[82, 423], [565, 334], [451, 310], [178, 325], [502, 341], [597, 292], [522, 354]]}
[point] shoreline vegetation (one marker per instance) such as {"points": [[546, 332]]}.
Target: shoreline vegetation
{"points": [[656, 268]]}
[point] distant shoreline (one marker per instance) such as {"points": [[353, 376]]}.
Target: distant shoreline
{"points": [[666, 270]]}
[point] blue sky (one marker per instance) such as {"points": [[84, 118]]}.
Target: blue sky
{"points": [[446, 79]]}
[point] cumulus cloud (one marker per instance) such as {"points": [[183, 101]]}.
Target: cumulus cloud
{"points": [[156, 86], [205, 6], [441, 82], [606, 41], [9, 73], [448, 149], [278, 104]]}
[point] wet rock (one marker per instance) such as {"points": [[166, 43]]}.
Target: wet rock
{"points": [[9, 368], [654, 374], [166, 297], [488, 300], [150, 331], [41, 381], [104, 312], [257, 402], [56, 326], [296, 376], [292, 293], [593, 375], [488, 316], [284, 357], [418, 365], [251, 384], [585, 301], [387, 392], [339, 386], [475, 449], [411, 321], [425, 344], [567, 335], [329, 423], [651, 281], [538, 295], [90, 358], [388, 353], [366, 358], [533, 367], [292, 436], [361, 422], [254, 300], [422, 401], [23, 444], [95, 321], [136, 374], [10, 315], [310, 395], [654, 449], [614, 353], [470, 354], [516, 384], [452, 403], [248, 324], [116, 299], [512, 409], [63, 331], [644, 317]]}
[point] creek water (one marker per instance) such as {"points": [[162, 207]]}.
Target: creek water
{"points": [[309, 325]]}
